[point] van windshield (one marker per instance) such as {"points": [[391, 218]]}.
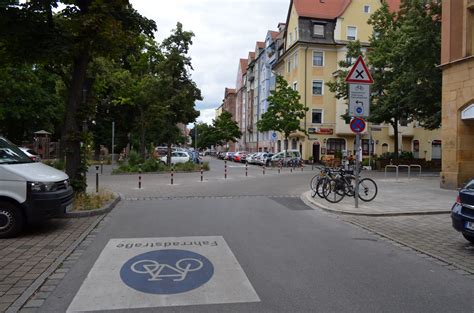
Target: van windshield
{"points": [[11, 154]]}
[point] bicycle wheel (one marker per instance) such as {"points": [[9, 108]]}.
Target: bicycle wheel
{"points": [[320, 187], [333, 190], [314, 181], [367, 189]]}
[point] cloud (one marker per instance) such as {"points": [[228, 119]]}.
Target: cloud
{"points": [[207, 115], [226, 30]]}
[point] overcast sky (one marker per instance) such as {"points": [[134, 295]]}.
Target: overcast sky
{"points": [[226, 30]]}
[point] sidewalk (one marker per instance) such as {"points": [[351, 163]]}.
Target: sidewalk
{"points": [[395, 197]]}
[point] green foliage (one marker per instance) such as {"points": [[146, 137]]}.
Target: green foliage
{"points": [[151, 166], [226, 129], [284, 110], [404, 54], [134, 158], [57, 164], [404, 155], [29, 101]]}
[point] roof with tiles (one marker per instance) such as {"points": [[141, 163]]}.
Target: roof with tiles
{"points": [[260, 44], [330, 9], [274, 34], [251, 56]]}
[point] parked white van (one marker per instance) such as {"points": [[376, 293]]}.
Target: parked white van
{"points": [[30, 192]]}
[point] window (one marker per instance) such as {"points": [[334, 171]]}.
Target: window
{"points": [[351, 33], [318, 58], [335, 144], [289, 65], [416, 149], [291, 38], [295, 86], [317, 87], [365, 146], [296, 34], [318, 30], [293, 144], [317, 116], [295, 60], [366, 8]]}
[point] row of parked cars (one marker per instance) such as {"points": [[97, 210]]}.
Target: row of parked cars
{"points": [[260, 158]]}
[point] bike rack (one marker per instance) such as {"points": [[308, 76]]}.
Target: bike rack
{"points": [[418, 167], [391, 166], [404, 166]]}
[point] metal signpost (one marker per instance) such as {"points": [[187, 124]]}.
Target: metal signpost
{"points": [[359, 80]]}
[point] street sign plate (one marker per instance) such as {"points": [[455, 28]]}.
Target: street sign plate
{"points": [[359, 100], [139, 273], [359, 74], [357, 125]]}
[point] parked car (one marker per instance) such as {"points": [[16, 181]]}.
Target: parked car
{"points": [[264, 158], [31, 154], [229, 156], [30, 192], [251, 158], [462, 212], [177, 157], [238, 156]]}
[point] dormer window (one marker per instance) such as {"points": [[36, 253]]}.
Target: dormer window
{"points": [[318, 30], [366, 8]]}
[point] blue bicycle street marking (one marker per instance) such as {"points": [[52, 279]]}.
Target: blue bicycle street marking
{"points": [[167, 271]]}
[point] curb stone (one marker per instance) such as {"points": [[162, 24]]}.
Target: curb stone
{"points": [[306, 197], [105, 209]]}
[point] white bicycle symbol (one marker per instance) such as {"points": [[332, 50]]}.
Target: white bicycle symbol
{"points": [[154, 268]]}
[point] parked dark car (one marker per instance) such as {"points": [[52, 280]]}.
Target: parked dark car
{"points": [[462, 213]]}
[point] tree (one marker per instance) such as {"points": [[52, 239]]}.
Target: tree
{"points": [[206, 136], [30, 101], [284, 111], [177, 91], [226, 129], [405, 49], [67, 41]]}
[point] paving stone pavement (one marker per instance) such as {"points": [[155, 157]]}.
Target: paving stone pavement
{"points": [[430, 235], [24, 259]]}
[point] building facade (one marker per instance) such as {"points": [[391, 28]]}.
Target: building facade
{"points": [[315, 40], [457, 59]]}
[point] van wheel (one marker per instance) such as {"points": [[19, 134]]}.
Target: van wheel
{"points": [[11, 220]]}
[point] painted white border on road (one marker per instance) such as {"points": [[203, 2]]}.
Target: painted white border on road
{"points": [[103, 288]]}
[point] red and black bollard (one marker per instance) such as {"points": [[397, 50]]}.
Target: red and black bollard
{"points": [[202, 172], [263, 169], [140, 178], [279, 167], [225, 169], [246, 169]]}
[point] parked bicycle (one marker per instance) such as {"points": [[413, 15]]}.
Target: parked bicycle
{"points": [[334, 184]]}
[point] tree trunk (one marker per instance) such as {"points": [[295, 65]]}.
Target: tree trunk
{"points": [[395, 132], [168, 159], [71, 134]]}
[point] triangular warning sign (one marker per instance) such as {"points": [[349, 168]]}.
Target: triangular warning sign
{"points": [[359, 73]]}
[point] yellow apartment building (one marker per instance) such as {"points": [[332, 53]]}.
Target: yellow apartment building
{"points": [[315, 41]]}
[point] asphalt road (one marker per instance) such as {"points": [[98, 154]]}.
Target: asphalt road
{"points": [[295, 258]]}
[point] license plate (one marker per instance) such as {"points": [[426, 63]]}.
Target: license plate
{"points": [[469, 225]]}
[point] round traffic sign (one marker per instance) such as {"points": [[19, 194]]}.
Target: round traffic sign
{"points": [[357, 125], [167, 271]]}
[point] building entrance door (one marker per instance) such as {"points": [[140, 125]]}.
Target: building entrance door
{"points": [[316, 151]]}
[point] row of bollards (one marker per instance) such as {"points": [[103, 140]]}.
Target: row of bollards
{"points": [[280, 166]]}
